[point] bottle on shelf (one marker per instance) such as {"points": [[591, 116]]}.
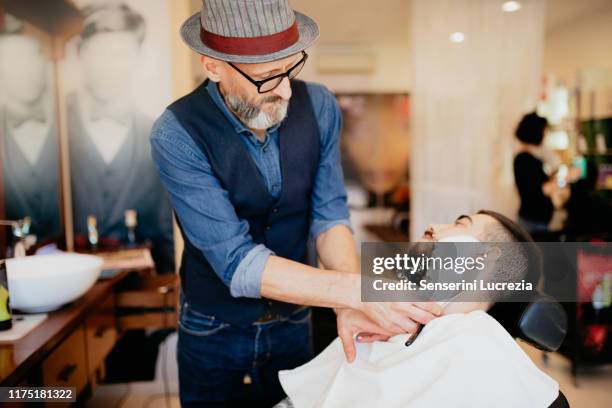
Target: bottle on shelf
{"points": [[600, 144], [92, 232], [131, 221]]}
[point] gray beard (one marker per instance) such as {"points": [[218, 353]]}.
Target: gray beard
{"points": [[252, 115]]}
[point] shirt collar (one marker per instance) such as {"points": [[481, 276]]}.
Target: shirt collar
{"points": [[213, 90]]}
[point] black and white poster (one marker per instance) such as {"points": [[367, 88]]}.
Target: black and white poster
{"points": [[117, 77]]}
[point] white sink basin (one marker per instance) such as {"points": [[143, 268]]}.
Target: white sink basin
{"points": [[42, 283]]}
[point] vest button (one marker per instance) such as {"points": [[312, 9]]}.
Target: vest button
{"points": [[268, 228], [275, 210]]}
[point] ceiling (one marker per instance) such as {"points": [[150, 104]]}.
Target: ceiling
{"points": [[358, 21], [562, 12], [343, 20]]}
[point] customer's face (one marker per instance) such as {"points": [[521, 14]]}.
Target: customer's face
{"points": [[472, 225], [108, 61], [257, 111], [22, 69]]}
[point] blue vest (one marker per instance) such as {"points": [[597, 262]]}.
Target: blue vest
{"points": [[281, 225]]}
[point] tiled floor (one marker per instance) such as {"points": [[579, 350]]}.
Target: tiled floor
{"points": [[139, 396], [594, 386], [144, 394]]}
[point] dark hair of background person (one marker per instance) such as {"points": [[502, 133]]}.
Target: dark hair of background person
{"points": [[508, 313], [108, 18], [530, 129]]}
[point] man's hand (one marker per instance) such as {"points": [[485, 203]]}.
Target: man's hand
{"points": [[400, 317], [294, 282], [351, 322]]}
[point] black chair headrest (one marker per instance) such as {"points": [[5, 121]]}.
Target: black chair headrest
{"points": [[543, 323]]}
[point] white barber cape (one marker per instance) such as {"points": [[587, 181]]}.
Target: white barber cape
{"points": [[458, 360]]}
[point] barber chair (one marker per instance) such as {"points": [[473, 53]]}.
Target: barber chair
{"points": [[542, 323]]}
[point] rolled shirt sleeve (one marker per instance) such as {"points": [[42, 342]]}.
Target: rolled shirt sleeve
{"points": [[329, 200], [203, 207]]}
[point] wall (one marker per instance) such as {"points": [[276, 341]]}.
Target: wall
{"points": [[578, 44], [381, 30], [385, 30], [466, 100]]}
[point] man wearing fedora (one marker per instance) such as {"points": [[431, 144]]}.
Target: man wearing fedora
{"points": [[250, 159]]}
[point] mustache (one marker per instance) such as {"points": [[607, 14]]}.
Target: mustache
{"points": [[249, 110], [270, 99]]}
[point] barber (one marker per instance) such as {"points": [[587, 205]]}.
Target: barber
{"points": [[250, 159]]}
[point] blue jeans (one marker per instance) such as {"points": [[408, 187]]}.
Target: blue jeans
{"points": [[214, 357]]}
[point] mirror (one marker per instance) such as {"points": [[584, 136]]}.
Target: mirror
{"points": [[29, 136], [101, 66]]}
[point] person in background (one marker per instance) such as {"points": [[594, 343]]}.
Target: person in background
{"points": [[111, 164], [536, 188], [28, 137]]}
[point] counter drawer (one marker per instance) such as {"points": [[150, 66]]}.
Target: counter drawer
{"points": [[100, 334], [148, 302], [66, 365]]}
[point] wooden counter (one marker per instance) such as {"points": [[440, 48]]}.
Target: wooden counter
{"points": [[19, 359], [69, 348]]}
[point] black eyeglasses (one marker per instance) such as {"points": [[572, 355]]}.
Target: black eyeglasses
{"points": [[271, 83]]}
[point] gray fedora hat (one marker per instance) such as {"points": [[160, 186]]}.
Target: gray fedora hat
{"points": [[248, 31]]}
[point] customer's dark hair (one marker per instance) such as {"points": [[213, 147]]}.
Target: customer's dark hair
{"points": [[508, 313], [518, 233], [525, 256], [531, 129], [113, 17]]}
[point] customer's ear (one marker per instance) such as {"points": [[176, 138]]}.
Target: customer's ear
{"points": [[211, 67], [493, 253]]}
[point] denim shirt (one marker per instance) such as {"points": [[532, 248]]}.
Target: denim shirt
{"points": [[203, 206]]}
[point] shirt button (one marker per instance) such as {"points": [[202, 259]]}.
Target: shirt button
{"points": [[265, 149], [268, 228], [275, 210]]}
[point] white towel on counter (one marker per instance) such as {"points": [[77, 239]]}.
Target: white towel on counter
{"points": [[458, 360]]}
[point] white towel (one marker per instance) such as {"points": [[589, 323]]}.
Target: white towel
{"points": [[458, 360]]}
